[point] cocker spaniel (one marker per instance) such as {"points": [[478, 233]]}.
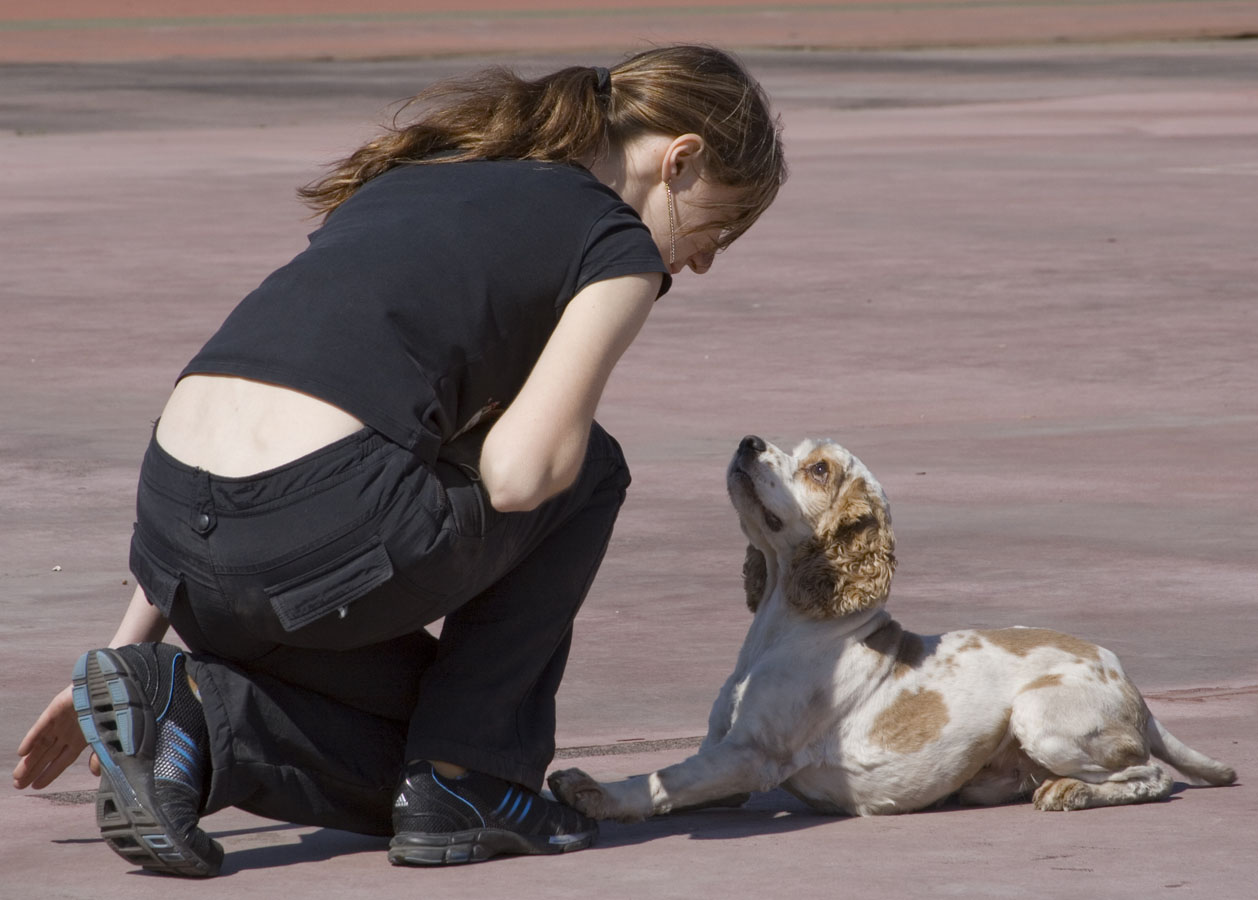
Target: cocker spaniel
{"points": [[832, 699]]}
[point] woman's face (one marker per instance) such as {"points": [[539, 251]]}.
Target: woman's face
{"points": [[688, 235], [661, 177]]}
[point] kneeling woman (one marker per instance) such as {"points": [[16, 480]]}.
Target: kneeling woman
{"points": [[395, 427]]}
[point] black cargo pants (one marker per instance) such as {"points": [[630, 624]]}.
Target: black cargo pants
{"points": [[304, 593]]}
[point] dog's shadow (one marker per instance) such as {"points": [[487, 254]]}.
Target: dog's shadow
{"points": [[772, 812]]}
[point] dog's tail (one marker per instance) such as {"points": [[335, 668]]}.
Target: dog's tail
{"points": [[1198, 767]]}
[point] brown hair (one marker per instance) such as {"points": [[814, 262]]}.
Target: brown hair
{"points": [[577, 114]]}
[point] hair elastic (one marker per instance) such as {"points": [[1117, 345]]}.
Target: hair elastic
{"points": [[603, 86]]}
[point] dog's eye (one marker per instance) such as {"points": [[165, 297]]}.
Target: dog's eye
{"points": [[819, 472]]}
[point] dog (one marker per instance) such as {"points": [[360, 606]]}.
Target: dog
{"points": [[833, 700]]}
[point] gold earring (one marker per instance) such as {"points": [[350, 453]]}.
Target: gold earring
{"points": [[672, 227]]}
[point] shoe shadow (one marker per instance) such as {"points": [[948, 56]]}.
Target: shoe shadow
{"points": [[312, 846]]}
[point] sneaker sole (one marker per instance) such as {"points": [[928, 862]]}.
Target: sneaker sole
{"points": [[477, 845], [119, 726]]}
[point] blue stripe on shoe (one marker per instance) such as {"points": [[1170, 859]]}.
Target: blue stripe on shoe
{"points": [[514, 806], [183, 744], [506, 798], [181, 753], [186, 763], [170, 694], [524, 812], [437, 782], [175, 733]]}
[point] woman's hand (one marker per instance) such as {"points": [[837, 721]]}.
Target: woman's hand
{"points": [[52, 744], [55, 741]]}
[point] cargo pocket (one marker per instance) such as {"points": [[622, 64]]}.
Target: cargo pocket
{"points": [[160, 582], [332, 586], [470, 510]]}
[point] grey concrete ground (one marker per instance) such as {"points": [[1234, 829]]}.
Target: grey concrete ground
{"points": [[1020, 284]]}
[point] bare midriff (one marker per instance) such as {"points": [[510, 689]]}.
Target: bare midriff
{"points": [[235, 427]]}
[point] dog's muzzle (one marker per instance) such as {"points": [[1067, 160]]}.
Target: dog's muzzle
{"points": [[752, 445], [749, 450]]}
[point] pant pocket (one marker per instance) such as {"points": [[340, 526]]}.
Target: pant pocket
{"points": [[330, 587], [470, 510], [159, 581]]}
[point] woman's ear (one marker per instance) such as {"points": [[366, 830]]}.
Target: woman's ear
{"points": [[755, 577], [682, 157]]}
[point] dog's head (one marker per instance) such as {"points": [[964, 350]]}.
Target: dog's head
{"points": [[823, 518]]}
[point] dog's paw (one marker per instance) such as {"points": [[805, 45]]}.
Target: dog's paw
{"points": [[1062, 794], [599, 801], [581, 792]]}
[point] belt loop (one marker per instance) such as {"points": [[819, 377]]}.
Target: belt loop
{"points": [[202, 517]]}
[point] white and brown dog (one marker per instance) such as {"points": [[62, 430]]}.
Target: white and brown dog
{"points": [[837, 703]]}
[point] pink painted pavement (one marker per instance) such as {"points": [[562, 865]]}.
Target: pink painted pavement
{"points": [[67, 30], [1017, 281]]}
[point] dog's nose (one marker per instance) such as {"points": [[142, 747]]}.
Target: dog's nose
{"points": [[751, 444]]}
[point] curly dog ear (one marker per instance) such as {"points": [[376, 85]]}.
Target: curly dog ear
{"points": [[847, 566], [755, 577]]}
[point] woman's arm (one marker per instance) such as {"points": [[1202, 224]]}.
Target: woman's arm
{"points": [[537, 447], [55, 741]]}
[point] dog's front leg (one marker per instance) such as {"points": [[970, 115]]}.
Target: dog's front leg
{"points": [[711, 775]]}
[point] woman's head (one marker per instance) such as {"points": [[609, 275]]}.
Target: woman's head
{"points": [[681, 90], [582, 115]]}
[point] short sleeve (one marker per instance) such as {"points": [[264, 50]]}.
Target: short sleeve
{"points": [[620, 244]]}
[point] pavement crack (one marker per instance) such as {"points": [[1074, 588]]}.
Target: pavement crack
{"points": [[632, 746], [1202, 694]]}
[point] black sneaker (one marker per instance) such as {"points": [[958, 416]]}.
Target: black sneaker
{"points": [[439, 820], [141, 718]]}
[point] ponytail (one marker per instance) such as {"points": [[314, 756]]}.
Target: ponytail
{"points": [[494, 114], [575, 115]]}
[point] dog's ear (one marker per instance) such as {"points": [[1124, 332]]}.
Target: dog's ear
{"points": [[847, 566], [755, 577]]}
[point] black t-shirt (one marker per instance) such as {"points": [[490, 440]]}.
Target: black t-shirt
{"points": [[428, 295]]}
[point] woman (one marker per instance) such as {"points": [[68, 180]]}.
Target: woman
{"points": [[396, 427]]}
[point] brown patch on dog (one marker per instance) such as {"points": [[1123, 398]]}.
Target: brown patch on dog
{"points": [[1044, 681], [835, 473], [971, 643], [755, 577], [911, 722], [1122, 741], [1021, 641], [906, 649], [1122, 749]]}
